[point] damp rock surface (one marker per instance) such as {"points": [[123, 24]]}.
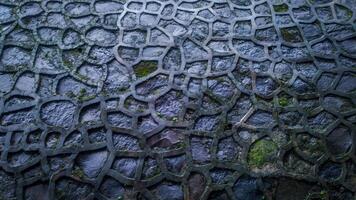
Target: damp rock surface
{"points": [[177, 99], [58, 113]]}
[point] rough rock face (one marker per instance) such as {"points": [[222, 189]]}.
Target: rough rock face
{"points": [[178, 99]]}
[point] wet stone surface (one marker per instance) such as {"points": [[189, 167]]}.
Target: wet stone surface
{"points": [[177, 99]]}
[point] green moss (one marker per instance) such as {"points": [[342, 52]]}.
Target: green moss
{"points": [[349, 14], [82, 77], [283, 101], [122, 89], [322, 195], [159, 114], [140, 110], [70, 94], [82, 92], [291, 34], [12, 68], [84, 96], [78, 173], [181, 144], [127, 103], [67, 64], [261, 152], [105, 93], [145, 68], [281, 8], [316, 147], [75, 54], [156, 170], [60, 195]]}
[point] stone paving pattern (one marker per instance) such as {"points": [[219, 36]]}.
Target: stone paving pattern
{"points": [[177, 99]]}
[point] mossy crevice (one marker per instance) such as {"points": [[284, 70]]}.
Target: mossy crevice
{"points": [[283, 101], [78, 173], [322, 195], [81, 96], [84, 96], [145, 68]]}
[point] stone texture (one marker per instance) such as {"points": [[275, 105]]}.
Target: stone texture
{"points": [[177, 99]]}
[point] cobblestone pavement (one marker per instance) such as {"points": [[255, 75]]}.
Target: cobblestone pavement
{"points": [[177, 99]]}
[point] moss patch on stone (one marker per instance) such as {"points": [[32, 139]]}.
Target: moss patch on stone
{"points": [[75, 53], [322, 195], [78, 173], [67, 63], [145, 68], [281, 8], [261, 153], [283, 101], [291, 34]]}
